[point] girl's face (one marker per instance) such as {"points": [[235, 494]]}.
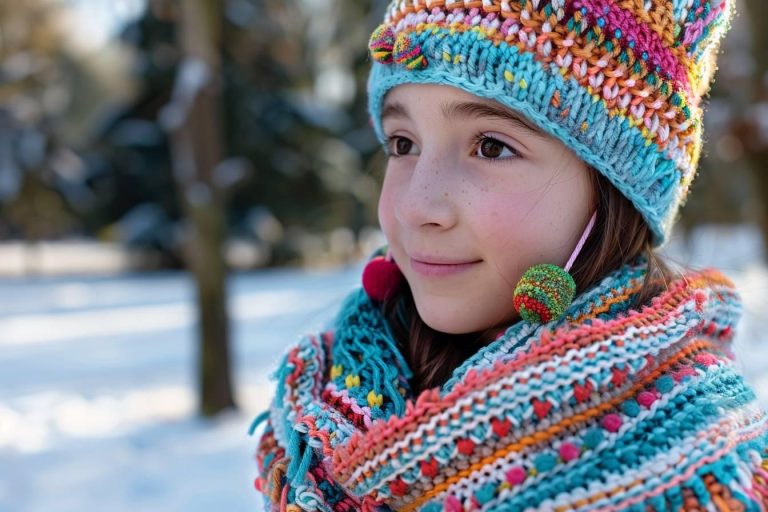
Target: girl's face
{"points": [[474, 194]]}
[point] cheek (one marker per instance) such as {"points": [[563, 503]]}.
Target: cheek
{"points": [[386, 209], [501, 219]]}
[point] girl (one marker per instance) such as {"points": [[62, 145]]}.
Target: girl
{"points": [[518, 345]]}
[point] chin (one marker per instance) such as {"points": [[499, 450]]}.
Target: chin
{"points": [[445, 320]]}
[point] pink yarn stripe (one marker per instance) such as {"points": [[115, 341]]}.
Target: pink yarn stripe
{"points": [[646, 40], [284, 499], [688, 473], [364, 446], [694, 30]]}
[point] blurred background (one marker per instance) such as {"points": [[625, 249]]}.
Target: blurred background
{"points": [[186, 186]]}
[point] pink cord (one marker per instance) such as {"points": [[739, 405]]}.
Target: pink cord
{"points": [[584, 236], [574, 254]]}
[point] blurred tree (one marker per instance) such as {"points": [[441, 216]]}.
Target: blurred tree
{"points": [[130, 155], [295, 131], [43, 193], [238, 92], [752, 125], [193, 120], [295, 100]]}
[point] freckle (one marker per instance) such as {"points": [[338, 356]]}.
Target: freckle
{"points": [[445, 194]]}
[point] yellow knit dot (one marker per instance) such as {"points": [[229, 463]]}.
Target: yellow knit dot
{"points": [[336, 371], [415, 63], [584, 126], [508, 76], [457, 59], [523, 83], [446, 57], [352, 381], [375, 399]]}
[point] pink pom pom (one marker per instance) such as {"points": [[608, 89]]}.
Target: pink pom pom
{"points": [[381, 278]]}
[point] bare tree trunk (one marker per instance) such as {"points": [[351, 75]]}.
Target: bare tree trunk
{"points": [[193, 120], [751, 136]]}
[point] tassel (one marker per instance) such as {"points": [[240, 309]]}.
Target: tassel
{"points": [[257, 421]]}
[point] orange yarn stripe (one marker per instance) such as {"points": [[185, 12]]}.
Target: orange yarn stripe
{"points": [[659, 18], [387, 436], [555, 429], [615, 73], [608, 303]]}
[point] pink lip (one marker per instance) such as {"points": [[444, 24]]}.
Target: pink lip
{"points": [[440, 269]]}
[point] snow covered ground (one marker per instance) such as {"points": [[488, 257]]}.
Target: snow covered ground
{"points": [[97, 403]]}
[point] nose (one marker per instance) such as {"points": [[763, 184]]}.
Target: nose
{"points": [[428, 201]]}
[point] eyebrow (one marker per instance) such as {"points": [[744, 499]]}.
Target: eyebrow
{"points": [[469, 109]]}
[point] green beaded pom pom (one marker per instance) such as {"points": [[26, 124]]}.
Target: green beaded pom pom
{"points": [[544, 293]]}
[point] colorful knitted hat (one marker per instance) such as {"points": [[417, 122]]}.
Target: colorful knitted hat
{"points": [[618, 81]]}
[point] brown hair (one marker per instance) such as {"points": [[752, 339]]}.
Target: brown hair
{"points": [[619, 236]]}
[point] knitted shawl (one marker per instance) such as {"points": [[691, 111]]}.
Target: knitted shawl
{"points": [[614, 407]]}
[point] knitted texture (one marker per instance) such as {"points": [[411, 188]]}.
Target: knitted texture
{"points": [[544, 293], [618, 81], [610, 408]]}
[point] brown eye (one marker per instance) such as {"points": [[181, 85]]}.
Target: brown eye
{"points": [[491, 148], [403, 146]]}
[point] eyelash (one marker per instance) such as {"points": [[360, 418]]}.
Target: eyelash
{"points": [[476, 141]]}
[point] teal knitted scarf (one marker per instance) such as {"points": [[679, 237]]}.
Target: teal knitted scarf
{"points": [[614, 407]]}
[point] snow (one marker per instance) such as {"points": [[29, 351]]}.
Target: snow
{"points": [[97, 384], [97, 389]]}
